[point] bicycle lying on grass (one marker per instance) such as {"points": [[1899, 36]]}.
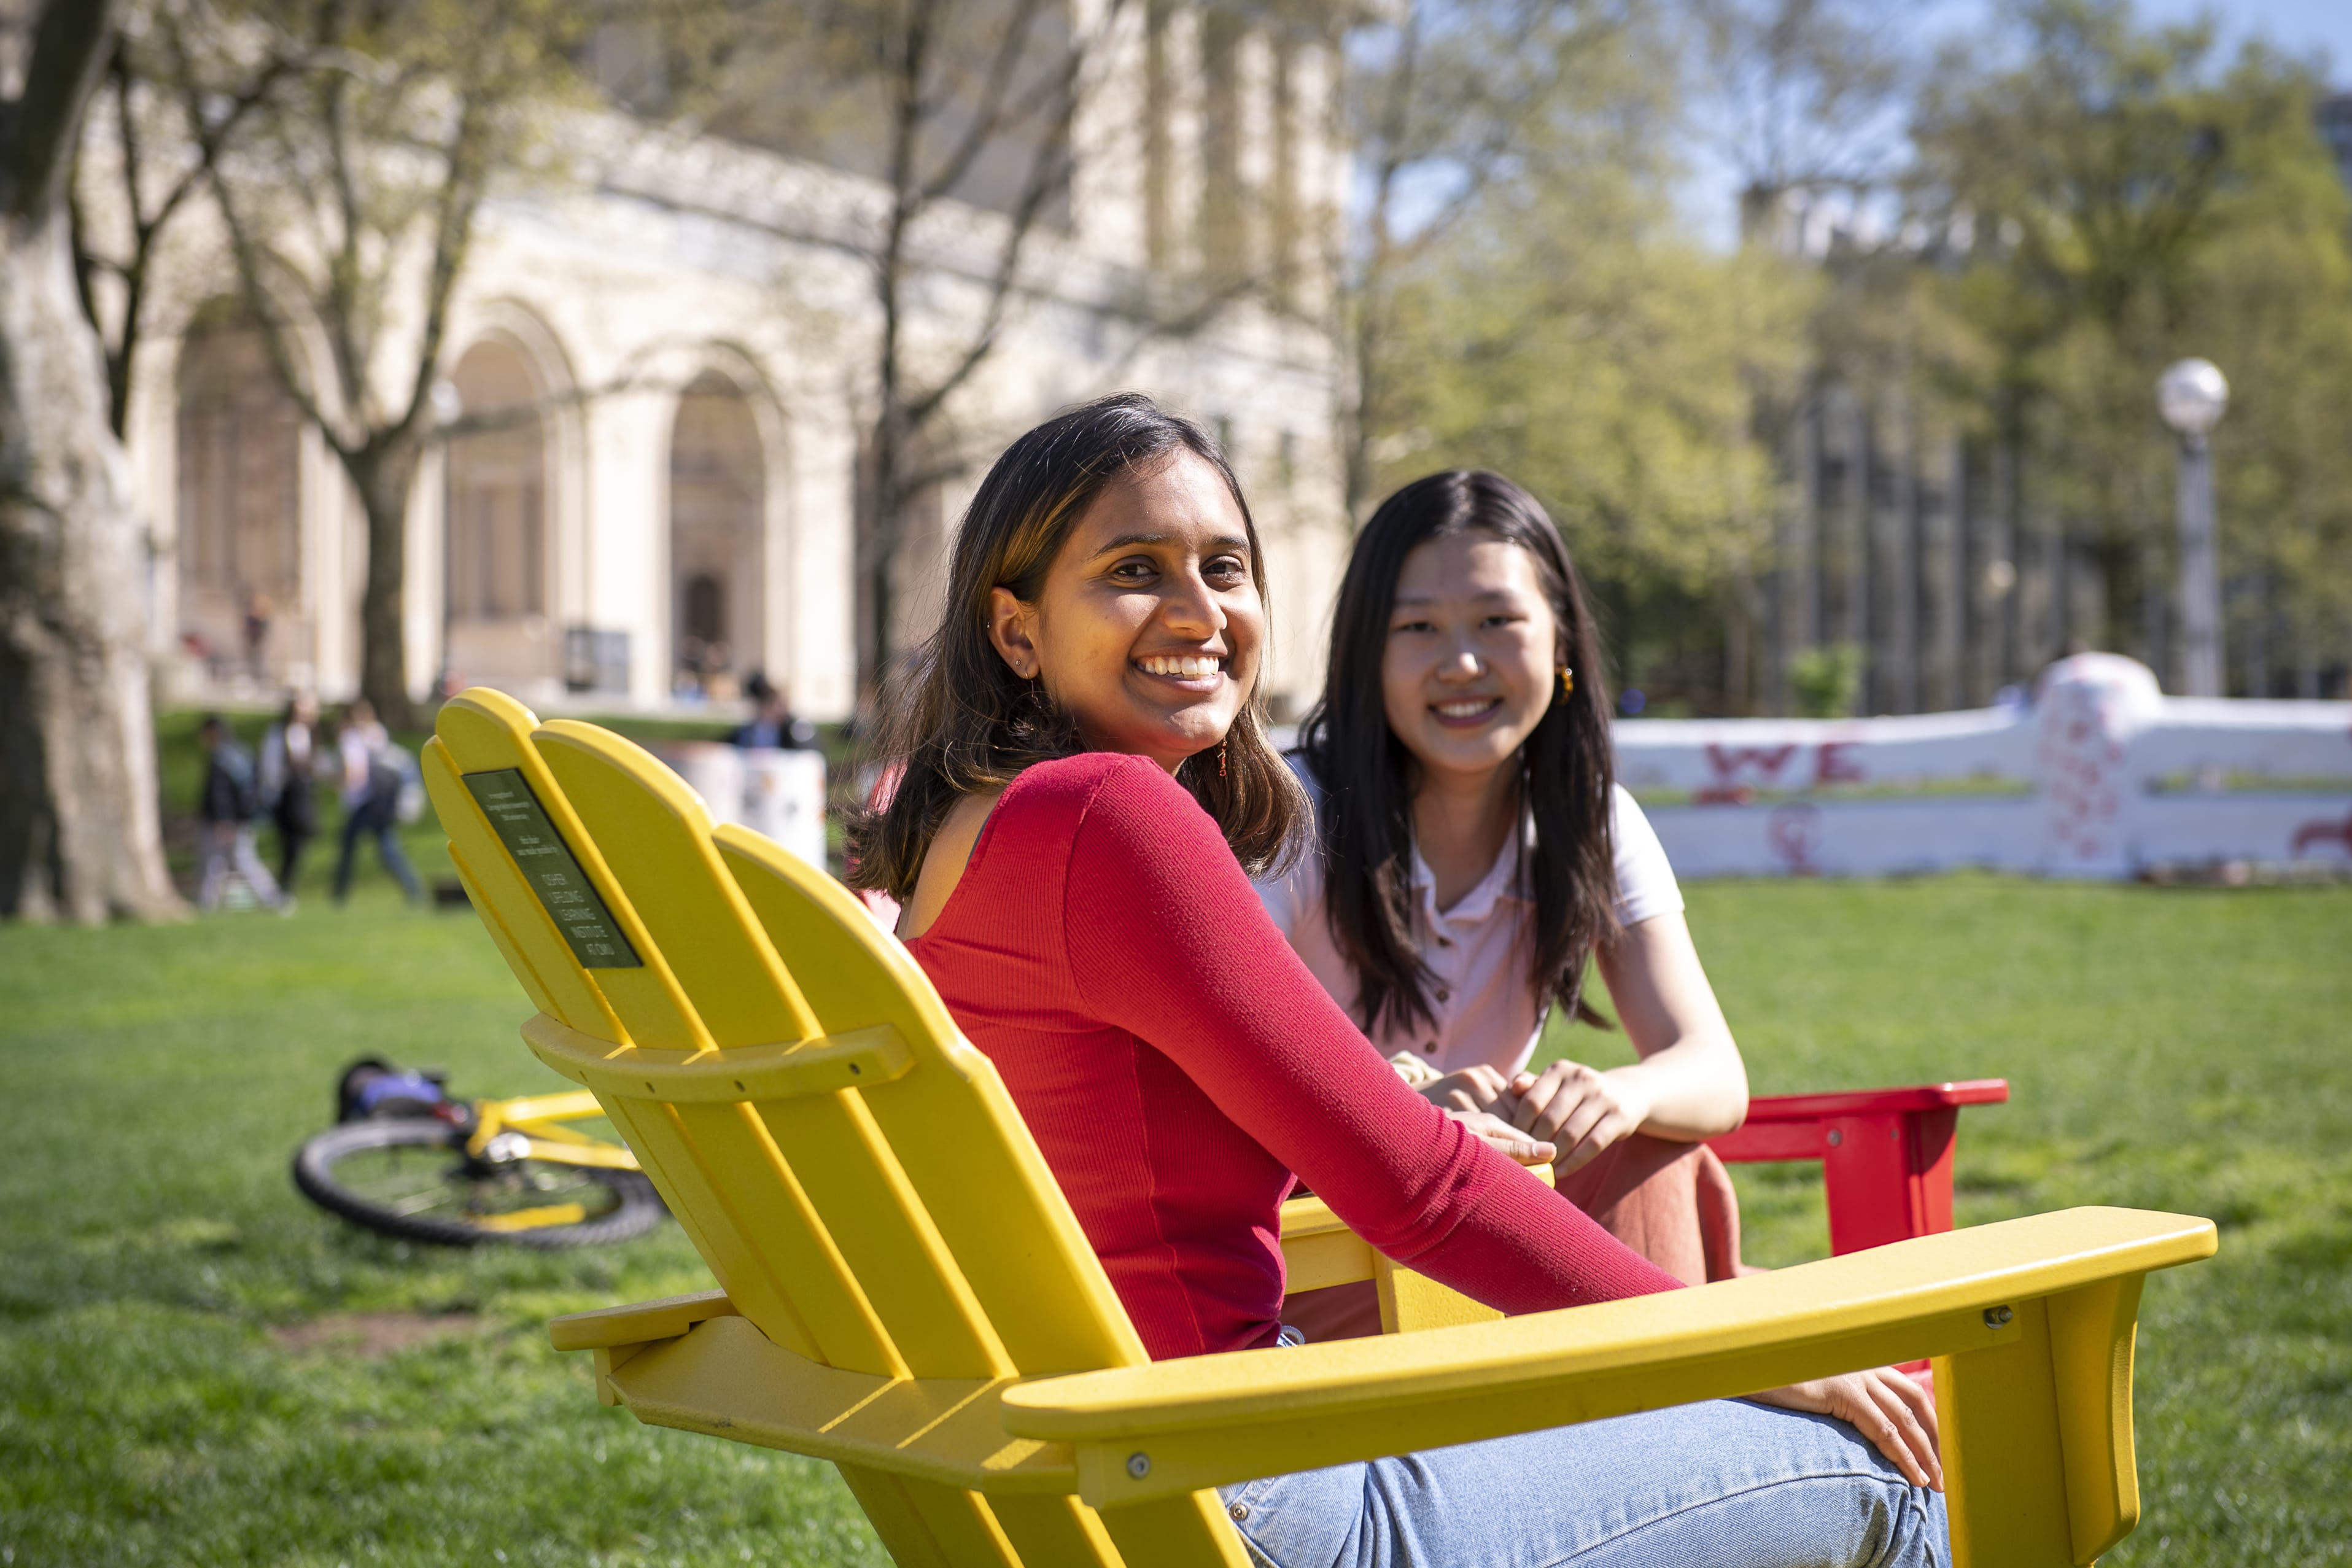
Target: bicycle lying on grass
{"points": [[406, 1160]]}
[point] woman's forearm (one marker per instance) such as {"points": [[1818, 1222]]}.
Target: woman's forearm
{"points": [[1695, 1087], [1691, 1079]]}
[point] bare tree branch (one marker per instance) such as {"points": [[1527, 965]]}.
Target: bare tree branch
{"points": [[457, 200], [41, 127], [207, 134], [988, 117]]}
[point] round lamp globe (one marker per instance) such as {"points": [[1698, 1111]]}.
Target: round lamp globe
{"points": [[2191, 395]]}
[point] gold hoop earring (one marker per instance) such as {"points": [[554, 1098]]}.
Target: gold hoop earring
{"points": [[1567, 683]]}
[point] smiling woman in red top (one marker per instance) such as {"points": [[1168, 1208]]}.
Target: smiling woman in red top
{"points": [[1084, 782]]}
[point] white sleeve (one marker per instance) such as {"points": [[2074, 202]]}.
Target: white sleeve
{"points": [[1288, 896], [1645, 882], [1280, 894]]}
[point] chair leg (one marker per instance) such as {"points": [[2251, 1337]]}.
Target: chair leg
{"points": [[1056, 1533], [1186, 1531], [2004, 1470], [962, 1525], [887, 1507]]}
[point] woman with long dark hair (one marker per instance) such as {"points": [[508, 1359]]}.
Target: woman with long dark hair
{"points": [[1084, 777], [1472, 855]]}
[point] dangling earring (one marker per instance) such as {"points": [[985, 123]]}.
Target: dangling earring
{"points": [[1221, 758], [1567, 683]]}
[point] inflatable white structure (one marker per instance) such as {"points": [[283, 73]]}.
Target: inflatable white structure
{"points": [[2100, 776], [778, 793]]}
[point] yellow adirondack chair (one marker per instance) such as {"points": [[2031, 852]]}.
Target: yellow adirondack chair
{"points": [[904, 1291]]}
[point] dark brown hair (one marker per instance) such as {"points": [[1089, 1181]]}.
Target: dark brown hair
{"points": [[957, 719], [1368, 778]]}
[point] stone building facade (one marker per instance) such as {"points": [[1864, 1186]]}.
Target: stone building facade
{"points": [[661, 370]]}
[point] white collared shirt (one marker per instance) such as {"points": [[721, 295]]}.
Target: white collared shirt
{"points": [[1486, 1009]]}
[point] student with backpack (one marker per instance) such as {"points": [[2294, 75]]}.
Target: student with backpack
{"points": [[225, 813], [376, 775], [293, 758]]}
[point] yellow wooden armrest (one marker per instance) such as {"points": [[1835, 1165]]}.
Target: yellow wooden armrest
{"points": [[723, 1376], [639, 1322], [820, 1065], [1151, 1432], [618, 1333]]}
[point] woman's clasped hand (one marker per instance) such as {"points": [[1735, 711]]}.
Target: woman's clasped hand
{"points": [[1572, 1110]]}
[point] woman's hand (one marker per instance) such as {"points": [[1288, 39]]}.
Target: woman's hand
{"points": [[1471, 1089], [1885, 1407], [1505, 1138], [1579, 1109]]}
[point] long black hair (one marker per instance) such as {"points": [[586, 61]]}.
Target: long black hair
{"points": [[1368, 778], [957, 721]]}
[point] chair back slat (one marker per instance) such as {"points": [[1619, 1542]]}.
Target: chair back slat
{"points": [[653, 834], [487, 735], [517, 921], [952, 1126], [743, 1270], [768, 1212], [884, 1233]]}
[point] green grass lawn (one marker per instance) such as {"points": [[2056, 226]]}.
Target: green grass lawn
{"points": [[197, 1367]]}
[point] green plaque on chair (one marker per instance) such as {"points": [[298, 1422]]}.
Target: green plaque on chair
{"points": [[548, 865]]}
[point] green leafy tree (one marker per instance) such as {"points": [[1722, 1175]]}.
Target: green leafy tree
{"points": [[350, 194], [1572, 333], [1448, 106], [2132, 199]]}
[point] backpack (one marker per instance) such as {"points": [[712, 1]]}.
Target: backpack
{"points": [[410, 804], [392, 771], [232, 763]]}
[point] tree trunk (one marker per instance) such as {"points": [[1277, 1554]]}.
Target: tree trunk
{"points": [[383, 475], [78, 829]]}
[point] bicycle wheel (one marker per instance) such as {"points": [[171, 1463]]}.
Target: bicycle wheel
{"points": [[406, 1177]]}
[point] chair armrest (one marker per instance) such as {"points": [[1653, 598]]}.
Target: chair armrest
{"points": [[639, 1322], [1797, 1126], [1151, 1432], [618, 1333], [1873, 1101]]}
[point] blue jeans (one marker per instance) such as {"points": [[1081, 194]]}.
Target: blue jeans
{"points": [[1725, 1484], [375, 816]]}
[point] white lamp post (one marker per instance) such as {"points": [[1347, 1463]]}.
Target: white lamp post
{"points": [[2191, 395]]}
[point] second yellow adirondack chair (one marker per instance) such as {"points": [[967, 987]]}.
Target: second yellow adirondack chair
{"points": [[904, 1291]]}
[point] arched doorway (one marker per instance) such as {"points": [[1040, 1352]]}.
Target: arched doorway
{"points": [[497, 570], [717, 480], [241, 607]]}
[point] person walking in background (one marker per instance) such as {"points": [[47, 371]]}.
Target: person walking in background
{"points": [[257, 610], [772, 723], [290, 765], [371, 780], [224, 814]]}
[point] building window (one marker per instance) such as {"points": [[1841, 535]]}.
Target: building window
{"points": [[497, 492], [240, 520]]}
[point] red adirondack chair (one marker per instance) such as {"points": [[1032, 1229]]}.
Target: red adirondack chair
{"points": [[1885, 1153]]}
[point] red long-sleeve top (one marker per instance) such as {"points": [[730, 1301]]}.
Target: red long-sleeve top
{"points": [[1176, 1063]]}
